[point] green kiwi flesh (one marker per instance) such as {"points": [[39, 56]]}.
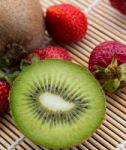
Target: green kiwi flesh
{"points": [[57, 104]]}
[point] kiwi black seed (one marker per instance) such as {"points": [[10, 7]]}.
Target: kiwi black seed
{"points": [[57, 104]]}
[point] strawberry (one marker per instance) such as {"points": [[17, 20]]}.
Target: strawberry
{"points": [[49, 52], [120, 5], [6, 81], [108, 63], [66, 23], [4, 93]]}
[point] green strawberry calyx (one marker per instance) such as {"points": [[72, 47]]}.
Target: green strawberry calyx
{"points": [[25, 62], [13, 52], [9, 77], [113, 77]]}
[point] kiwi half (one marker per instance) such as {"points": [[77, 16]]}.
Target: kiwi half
{"points": [[57, 104]]}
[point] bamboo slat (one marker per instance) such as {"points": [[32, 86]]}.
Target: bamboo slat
{"points": [[105, 23]]}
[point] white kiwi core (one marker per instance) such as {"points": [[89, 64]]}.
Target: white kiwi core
{"points": [[54, 102]]}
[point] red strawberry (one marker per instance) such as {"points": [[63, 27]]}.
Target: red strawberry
{"points": [[4, 93], [6, 80], [65, 23], [120, 5], [108, 63], [49, 52]]}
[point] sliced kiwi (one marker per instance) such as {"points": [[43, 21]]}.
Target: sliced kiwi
{"points": [[57, 104]]}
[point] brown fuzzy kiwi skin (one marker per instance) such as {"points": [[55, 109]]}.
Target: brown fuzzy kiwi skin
{"points": [[21, 25]]}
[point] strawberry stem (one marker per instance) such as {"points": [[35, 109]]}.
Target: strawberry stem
{"points": [[8, 77], [14, 51], [113, 77]]}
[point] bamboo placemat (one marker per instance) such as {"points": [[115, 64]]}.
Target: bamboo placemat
{"points": [[105, 23]]}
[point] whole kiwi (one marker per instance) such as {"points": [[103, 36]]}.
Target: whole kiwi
{"points": [[21, 27]]}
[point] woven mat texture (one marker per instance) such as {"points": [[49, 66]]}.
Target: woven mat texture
{"points": [[105, 23]]}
